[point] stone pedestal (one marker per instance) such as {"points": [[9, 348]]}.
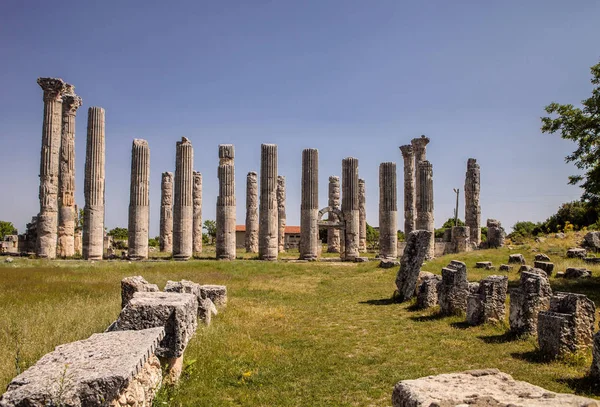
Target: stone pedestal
{"points": [[350, 208], [139, 200], [309, 207], [251, 238], [362, 216], [333, 234], [488, 304], [166, 212], [472, 207], [526, 301], [461, 238], [388, 211], [454, 289], [183, 208], [225, 245], [281, 217], [197, 198], [495, 235], [93, 212], [268, 229], [425, 204]]}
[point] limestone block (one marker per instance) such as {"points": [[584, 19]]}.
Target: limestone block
{"points": [[216, 293], [485, 387], [388, 264], [554, 333], [592, 240], [483, 264], [542, 257], [417, 246], [505, 267], [206, 308], [544, 265], [525, 268], [576, 272], [94, 372], [526, 301], [142, 388], [576, 252], [132, 285], [427, 292], [516, 258], [488, 303], [583, 311], [173, 311], [454, 289]]}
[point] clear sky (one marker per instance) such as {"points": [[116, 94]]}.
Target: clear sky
{"points": [[351, 78]]}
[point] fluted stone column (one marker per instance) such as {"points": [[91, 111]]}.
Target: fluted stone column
{"points": [[419, 146], [93, 211], [268, 228], [309, 207], [183, 207], [251, 238], [197, 198], [472, 207], [350, 207], [139, 200], [47, 220], [425, 204], [410, 212], [166, 212], [333, 234], [225, 245], [388, 211], [362, 216], [67, 214], [281, 217]]}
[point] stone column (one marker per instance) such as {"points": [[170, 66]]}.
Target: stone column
{"points": [[49, 167], [281, 218], [166, 212], [251, 238], [197, 223], [309, 207], [425, 204], [388, 211], [333, 234], [139, 200], [350, 207], [419, 149], [225, 245], [410, 212], [67, 213], [268, 233], [472, 207], [362, 216], [183, 207], [93, 211]]}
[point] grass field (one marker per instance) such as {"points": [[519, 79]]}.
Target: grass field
{"points": [[310, 334]]}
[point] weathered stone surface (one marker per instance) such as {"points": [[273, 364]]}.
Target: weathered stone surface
{"points": [[251, 238], [93, 212], [226, 205], [482, 264], [206, 308], [268, 228], [576, 272], [488, 304], [361, 259], [333, 234], [496, 234], [595, 368], [166, 212], [139, 200], [472, 200], [217, 294], [132, 285], [419, 148], [592, 260], [388, 264], [516, 258], [362, 216], [544, 265], [183, 207], [197, 213], [480, 388], [592, 240], [460, 238], [309, 205], [414, 254], [388, 211], [541, 257], [425, 219], [454, 289], [526, 301], [93, 372], [427, 291], [525, 267], [350, 208], [505, 267], [173, 311], [281, 215], [143, 387], [410, 210], [576, 252]]}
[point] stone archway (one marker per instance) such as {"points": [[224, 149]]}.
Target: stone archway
{"points": [[339, 223]]}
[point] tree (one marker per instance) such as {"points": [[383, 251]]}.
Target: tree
{"points": [[79, 220], [154, 242], [523, 229], [372, 236], [450, 223], [211, 229], [118, 233], [7, 228], [581, 125]]}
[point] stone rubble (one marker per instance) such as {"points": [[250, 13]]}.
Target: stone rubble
{"points": [[488, 304]]}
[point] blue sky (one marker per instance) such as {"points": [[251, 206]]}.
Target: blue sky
{"points": [[351, 78]]}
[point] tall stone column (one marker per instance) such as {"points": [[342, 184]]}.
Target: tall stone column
{"points": [[309, 207], [67, 213], [166, 212], [419, 146], [183, 207], [47, 222], [425, 204], [139, 200], [362, 216], [410, 212], [281, 218], [225, 244], [268, 228], [333, 234], [472, 207], [350, 207], [93, 211], [388, 211], [197, 233], [251, 238]]}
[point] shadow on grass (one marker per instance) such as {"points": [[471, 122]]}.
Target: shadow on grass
{"points": [[461, 325], [532, 356], [383, 301], [433, 317], [502, 338], [582, 385]]}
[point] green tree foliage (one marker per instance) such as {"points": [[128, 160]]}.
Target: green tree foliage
{"points": [[450, 223], [7, 228], [79, 220], [581, 125], [401, 236], [118, 233], [154, 242], [579, 213], [372, 235], [211, 229], [523, 229]]}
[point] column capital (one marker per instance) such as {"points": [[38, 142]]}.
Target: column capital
{"points": [[53, 88], [71, 102], [407, 151], [420, 142]]}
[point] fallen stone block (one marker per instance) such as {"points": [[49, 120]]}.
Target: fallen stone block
{"points": [[525, 268], [453, 289], [547, 267], [526, 301], [104, 369], [505, 267], [485, 387], [591, 260], [417, 247], [488, 303], [576, 253], [542, 257], [388, 264], [516, 258], [576, 272], [132, 285], [216, 293], [483, 264]]}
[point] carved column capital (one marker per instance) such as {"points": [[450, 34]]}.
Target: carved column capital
{"points": [[53, 88]]}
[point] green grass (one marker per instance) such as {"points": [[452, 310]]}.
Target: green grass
{"points": [[312, 334]]}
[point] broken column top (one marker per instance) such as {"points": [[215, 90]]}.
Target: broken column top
{"points": [[226, 151], [420, 141], [472, 163], [407, 150], [140, 142], [493, 223], [184, 140], [334, 178], [53, 87], [94, 371]]}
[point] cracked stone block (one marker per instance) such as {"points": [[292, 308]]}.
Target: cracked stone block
{"points": [[454, 289], [576, 272], [526, 301], [132, 285], [173, 311], [488, 304], [583, 311], [516, 258], [544, 265], [427, 293], [388, 264], [417, 248], [216, 293], [505, 267], [483, 264], [595, 368], [525, 268], [206, 308], [541, 257], [576, 253], [555, 334], [93, 372]]}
